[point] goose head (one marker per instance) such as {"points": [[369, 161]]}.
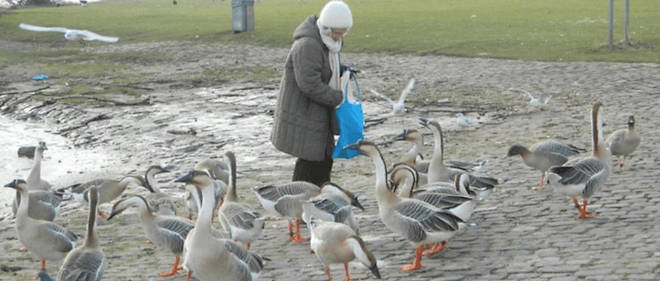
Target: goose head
{"points": [[404, 174], [333, 188], [631, 122], [18, 184], [150, 174], [364, 147], [363, 255], [42, 146], [136, 201], [517, 149], [200, 179]]}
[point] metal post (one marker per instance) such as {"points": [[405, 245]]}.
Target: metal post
{"points": [[610, 37], [627, 21]]}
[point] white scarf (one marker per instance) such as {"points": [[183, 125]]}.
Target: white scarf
{"points": [[333, 55]]}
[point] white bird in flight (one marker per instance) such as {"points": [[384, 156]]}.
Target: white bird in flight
{"points": [[398, 107], [71, 34], [534, 101]]}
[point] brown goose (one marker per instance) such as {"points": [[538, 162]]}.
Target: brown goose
{"points": [[624, 142]]}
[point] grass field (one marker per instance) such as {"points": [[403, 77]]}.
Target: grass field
{"points": [[558, 30]]}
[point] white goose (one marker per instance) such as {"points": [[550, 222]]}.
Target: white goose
{"points": [[47, 240], [334, 243], [86, 262], [34, 180], [211, 259], [437, 169], [623, 142], [161, 202], [239, 220], [419, 222], [36, 183], [286, 201], [166, 232], [333, 204], [586, 176]]}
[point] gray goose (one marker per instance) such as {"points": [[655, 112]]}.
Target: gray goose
{"points": [[333, 204], [36, 183], [47, 240], [239, 220], [419, 222], [624, 142], [545, 154], [87, 261], [108, 189], [161, 202], [166, 232], [583, 178]]}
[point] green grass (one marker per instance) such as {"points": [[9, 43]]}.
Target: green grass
{"points": [[557, 30]]}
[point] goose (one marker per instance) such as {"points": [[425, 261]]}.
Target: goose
{"points": [[161, 202], [166, 232], [219, 172], [87, 261], [238, 220], [47, 240], [414, 157], [333, 204], [286, 200], [209, 258], [36, 183], [419, 222], [335, 243], [587, 175], [437, 169], [623, 142], [545, 154], [108, 189], [44, 205], [458, 198]]}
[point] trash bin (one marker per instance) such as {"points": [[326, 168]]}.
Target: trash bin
{"points": [[242, 15]]}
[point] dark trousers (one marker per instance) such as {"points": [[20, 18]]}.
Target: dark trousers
{"points": [[316, 172]]}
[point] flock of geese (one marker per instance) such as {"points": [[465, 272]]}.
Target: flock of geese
{"points": [[427, 203]]}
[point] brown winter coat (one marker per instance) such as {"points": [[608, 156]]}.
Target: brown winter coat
{"points": [[304, 118]]}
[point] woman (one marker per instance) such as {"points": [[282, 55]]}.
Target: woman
{"points": [[310, 90]]}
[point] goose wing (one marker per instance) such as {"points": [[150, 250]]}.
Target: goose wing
{"points": [[590, 171], [275, 192], [174, 232], [419, 218], [477, 181], [60, 238], [42, 29], [240, 215], [254, 262], [440, 200], [338, 210], [554, 146], [555, 158], [81, 265]]}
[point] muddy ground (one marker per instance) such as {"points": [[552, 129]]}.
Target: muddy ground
{"points": [[202, 99]]}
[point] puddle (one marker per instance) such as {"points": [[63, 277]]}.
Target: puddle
{"points": [[62, 164]]}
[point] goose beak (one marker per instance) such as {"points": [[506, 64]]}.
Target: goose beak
{"points": [[112, 215], [187, 178], [12, 184], [374, 270], [357, 204]]}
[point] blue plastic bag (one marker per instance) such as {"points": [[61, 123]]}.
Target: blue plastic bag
{"points": [[350, 119], [40, 77]]}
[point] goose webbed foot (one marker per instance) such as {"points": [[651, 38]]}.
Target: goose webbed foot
{"points": [[417, 263], [175, 269], [434, 249]]}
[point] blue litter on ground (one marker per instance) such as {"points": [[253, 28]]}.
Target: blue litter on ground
{"points": [[40, 77]]}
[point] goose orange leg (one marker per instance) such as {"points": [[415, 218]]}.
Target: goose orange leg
{"points": [[174, 270], [298, 238], [584, 214], [541, 184], [327, 273], [435, 248], [348, 276], [417, 263], [102, 215]]}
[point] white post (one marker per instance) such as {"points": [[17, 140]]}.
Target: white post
{"points": [[610, 38], [627, 22]]}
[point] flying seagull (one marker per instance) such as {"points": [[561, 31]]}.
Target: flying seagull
{"points": [[462, 120], [398, 107], [71, 34], [533, 101]]}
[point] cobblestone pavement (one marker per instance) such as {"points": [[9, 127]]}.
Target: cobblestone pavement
{"points": [[518, 233]]}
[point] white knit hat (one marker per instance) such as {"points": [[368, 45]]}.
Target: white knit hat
{"points": [[336, 14]]}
